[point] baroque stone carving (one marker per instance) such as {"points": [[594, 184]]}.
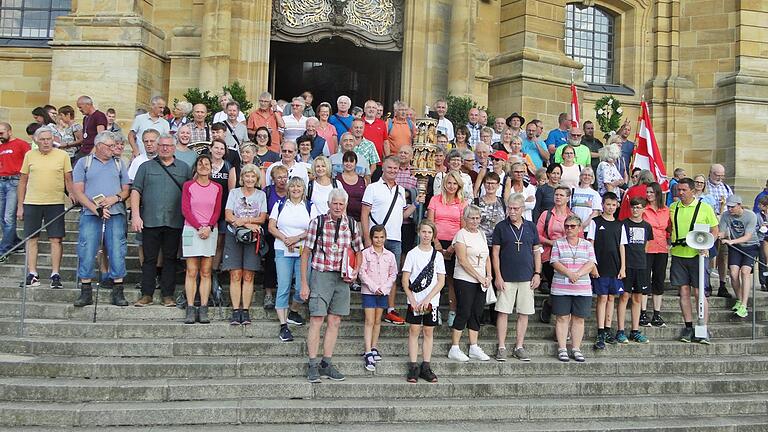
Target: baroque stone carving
{"points": [[376, 24]]}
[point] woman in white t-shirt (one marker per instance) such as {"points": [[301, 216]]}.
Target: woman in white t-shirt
{"points": [[471, 279], [288, 223], [586, 203], [322, 185]]}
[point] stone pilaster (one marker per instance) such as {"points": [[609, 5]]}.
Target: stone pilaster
{"points": [[215, 49], [108, 49], [249, 61]]}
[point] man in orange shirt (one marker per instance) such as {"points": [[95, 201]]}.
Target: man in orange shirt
{"points": [[400, 130], [268, 114], [375, 128]]}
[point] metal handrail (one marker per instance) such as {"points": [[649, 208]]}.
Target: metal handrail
{"points": [[23, 305]]}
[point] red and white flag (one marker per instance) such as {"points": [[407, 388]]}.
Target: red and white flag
{"points": [[575, 117], [647, 154]]}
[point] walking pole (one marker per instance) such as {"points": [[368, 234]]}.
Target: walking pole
{"points": [[23, 305], [96, 261]]}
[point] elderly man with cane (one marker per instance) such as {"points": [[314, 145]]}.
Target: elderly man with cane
{"points": [[101, 187]]}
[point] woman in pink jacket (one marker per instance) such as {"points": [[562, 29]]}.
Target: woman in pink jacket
{"points": [[377, 274]]}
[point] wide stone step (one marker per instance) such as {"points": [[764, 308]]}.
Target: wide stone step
{"points": [[258, 347], [68, 273], [70, 246], [108, 312], [740, 423], [126, 329], [363, 411], [235, 366], [169, 390], [68, 259]]}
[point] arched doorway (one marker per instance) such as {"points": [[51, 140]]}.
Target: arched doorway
{"points": [[335, 67]]}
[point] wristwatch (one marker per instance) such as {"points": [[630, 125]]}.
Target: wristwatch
{"points": [[537, 273]]}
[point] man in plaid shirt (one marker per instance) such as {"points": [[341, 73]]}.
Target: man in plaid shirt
{"points": [[326, 291], [720, 192]]}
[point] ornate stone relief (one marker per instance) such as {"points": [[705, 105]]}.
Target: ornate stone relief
{"points": [[375, 24]]}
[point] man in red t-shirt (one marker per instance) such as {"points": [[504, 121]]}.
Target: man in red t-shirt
{"points": [[12, 151], [375, 128]]}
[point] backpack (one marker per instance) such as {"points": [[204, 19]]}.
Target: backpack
{"points": [[118, 164], [311, 187], [321, 226]]}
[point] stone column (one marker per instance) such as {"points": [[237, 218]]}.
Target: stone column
{"points": [[215, 45], [249, 62], [110, 50]]}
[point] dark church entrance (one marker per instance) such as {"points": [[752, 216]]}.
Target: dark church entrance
{"points": [[334, 67]]}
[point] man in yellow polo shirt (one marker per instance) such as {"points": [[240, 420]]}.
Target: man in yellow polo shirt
{"points": [[683, 273], [45, 173]]}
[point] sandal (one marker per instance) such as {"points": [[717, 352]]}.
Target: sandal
{"points": [[577, 355], [562, 355]]}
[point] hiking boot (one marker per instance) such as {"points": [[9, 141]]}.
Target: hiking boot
{"points": [[313, 373], [686, 335], [599, 341], [269, 302], [107, 283], [621, 337], [56, 281], [393, 318], [191, 315], [285, 334], [657, 321], [245, 317], [427, 375], [202, 315], [33, 280], [413, 373], [86, 296], [501, 354], [644, 320], [295, 318], [520, 354], [636, 336], [330, 372], [118, 299], [145, 300], [723, 292]]}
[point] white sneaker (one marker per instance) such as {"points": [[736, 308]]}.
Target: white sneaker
{"points": [[456, 354], [477, 353]]}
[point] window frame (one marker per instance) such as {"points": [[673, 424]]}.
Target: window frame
{"points": [[13, 34], [590, 24]]}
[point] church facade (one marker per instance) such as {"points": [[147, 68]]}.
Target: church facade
{"points": [[701, 64]]}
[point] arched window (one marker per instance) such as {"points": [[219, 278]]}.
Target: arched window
{"points": [[589, 40], [30, 19]]}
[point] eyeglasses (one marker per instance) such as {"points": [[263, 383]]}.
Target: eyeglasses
{"points": [[262, 136], [518, 172], [491, 183], [638, 208], [570, 226], [288, 151], [297, 105]]}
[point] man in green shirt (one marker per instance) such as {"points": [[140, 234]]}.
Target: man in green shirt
{"points": [[583, 155], [683, 273]]}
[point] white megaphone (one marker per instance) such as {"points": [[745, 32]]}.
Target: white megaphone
{"points": [[700, 239]]}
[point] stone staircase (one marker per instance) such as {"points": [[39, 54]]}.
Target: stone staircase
{"points": [[139, 369]]}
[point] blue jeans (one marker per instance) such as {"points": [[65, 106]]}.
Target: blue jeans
{"points": [[396, 248], [8, 213], [115, 244], [288, 268]]}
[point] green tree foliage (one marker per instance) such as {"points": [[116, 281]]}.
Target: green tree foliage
{"points": [[211, 101], [458, 110]]}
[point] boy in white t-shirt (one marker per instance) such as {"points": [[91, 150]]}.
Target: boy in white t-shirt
{"points": [[423, 292]]}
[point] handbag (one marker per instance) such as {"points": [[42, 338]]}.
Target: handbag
{"points": [[490, 296]]}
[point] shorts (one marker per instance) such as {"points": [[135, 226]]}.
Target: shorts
{"points": [[428, 319], [637, 281], [373, 301], [740, 257], [328, 294], [581, 306], [517, 294], [449, 263], [193, 246], [605, 285], [685, 271], [35, 214], [239, 256]]}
